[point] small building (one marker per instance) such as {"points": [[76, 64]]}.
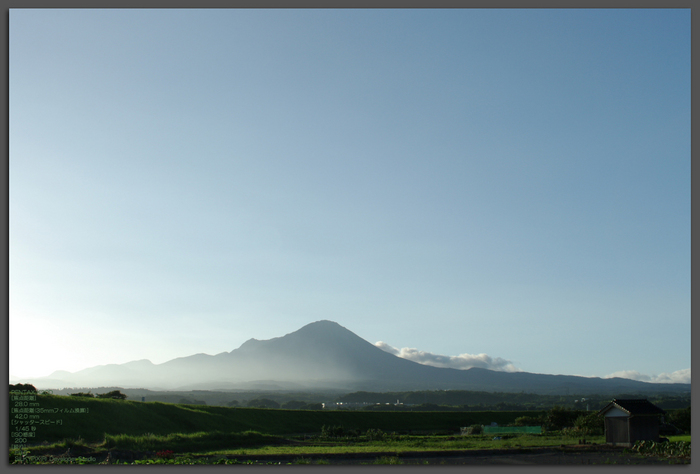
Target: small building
{"points": [[630, 420]]}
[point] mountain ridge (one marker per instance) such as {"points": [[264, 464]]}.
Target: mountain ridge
{"points": [[323, 355]]}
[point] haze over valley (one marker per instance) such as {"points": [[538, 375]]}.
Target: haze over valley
{"points": [[326, 356]]}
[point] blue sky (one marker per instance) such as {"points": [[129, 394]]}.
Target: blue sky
{"points": [[510, 183]]}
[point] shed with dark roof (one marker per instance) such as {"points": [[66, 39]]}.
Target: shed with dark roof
{"points": [[630, 420]]}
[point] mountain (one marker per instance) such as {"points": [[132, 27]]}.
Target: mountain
{"points": [[325, 355]]}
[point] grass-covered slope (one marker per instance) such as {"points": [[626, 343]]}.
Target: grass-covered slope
{"points": [[97, 417]]}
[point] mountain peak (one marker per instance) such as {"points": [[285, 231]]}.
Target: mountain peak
{"points": [[249, 343], [319, 332], [324, 354], [139, 363], [324, 323], [324, 329]]}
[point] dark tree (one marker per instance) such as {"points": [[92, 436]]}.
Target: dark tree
{"points": [[559, 417], [680, 419], [82, 394], [23, 387], [591, 423], [528, 421], [475, 430], [115, 394]]}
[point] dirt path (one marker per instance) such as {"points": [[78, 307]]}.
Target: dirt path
{"points": [[560, 455], [567, 455]]}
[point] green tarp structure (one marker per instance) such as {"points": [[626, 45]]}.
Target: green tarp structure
{"points": [[512, 429]]}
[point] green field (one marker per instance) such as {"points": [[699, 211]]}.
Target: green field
{"points": [[89, 428], [115, 417]]}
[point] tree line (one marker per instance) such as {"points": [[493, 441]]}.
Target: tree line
{"points": [[26, 387], [505, 401]]}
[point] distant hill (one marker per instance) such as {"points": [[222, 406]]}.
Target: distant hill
{"points": [[325, 355]]}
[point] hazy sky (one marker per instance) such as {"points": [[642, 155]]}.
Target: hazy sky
{"points": [[510, 187]]}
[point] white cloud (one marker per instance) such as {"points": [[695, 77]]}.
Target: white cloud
{"points": [[462, 361], [679, 376]]}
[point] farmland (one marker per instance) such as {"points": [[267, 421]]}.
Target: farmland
{"points": [[92, 430]]}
